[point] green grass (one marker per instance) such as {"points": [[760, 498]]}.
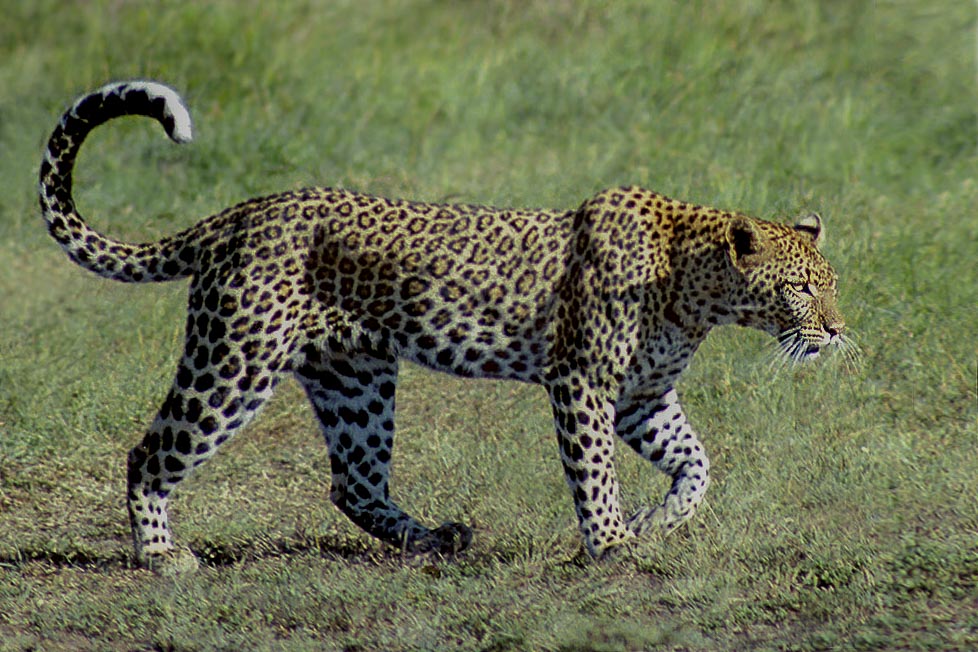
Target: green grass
{"points": [[843, 511]]}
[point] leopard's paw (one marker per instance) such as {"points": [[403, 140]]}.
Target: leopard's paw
{"points": [[172, 563], [447, 539]]}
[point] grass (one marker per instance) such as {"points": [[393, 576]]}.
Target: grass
{"points": [[842, 515]]}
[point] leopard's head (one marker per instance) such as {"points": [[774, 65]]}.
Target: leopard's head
{"points": [[784, 286]]}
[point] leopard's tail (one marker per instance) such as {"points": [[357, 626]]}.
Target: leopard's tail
{"points": [[168, 259]]}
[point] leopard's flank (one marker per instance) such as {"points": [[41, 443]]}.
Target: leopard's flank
{"points": [[604, 305]]}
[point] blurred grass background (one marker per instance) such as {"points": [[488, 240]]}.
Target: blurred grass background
{"points": [[842, 514]]}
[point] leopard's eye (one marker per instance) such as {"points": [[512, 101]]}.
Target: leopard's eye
{"points": [[803, 287]]}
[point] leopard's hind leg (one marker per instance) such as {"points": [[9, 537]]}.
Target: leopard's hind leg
{"points": [[353, 396], [220, 385]]}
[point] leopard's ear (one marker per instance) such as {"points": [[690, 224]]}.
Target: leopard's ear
{"points": [[745, 242], [811, 226]]}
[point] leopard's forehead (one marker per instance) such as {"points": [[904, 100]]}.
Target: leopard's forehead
{"points": [[796, 254]]}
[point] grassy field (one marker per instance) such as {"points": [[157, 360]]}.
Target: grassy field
{"points": [[842, 513]]}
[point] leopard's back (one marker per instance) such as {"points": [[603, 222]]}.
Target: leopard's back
{"points": [[461, 288]]}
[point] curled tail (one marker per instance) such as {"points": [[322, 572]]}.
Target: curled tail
{"points": [[168, 259]]}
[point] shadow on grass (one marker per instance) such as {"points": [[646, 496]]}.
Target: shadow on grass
{"points": [[115, 555]]}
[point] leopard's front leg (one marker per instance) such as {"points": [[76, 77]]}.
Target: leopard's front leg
{"points": [[585, 432], [658, 430]]}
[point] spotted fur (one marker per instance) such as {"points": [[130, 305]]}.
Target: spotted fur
{"points": [[603, 305]]}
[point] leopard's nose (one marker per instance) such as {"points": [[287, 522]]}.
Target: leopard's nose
{"points": [[835, 329]]}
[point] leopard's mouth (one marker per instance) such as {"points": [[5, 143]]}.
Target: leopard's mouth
{"points": [[798, 348]]}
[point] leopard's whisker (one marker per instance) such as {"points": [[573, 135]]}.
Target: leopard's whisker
{"points": [[851, 352]]}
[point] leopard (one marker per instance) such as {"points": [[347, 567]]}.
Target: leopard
{"points": [[603, 305]]}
